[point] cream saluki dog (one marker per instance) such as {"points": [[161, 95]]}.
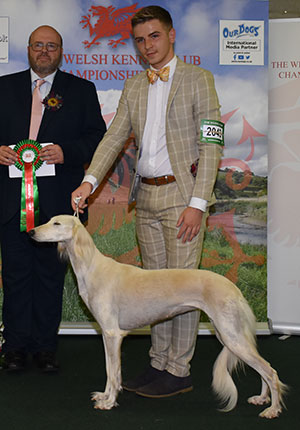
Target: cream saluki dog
{"points": [[123, 297]]}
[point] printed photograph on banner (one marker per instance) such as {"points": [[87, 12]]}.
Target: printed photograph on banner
{"points": [[4, 25], [98, 46], [241, 42]]}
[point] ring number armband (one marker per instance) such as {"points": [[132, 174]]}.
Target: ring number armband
{"points": [[212, 131]]}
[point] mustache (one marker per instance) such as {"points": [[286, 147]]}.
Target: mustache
{"points": [[43, 54]]}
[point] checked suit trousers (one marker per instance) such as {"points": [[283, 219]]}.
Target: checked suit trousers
{"points": [[158, 209]]}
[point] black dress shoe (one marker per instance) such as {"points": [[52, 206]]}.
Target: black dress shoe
{"points": [[14, 361], [166, 386], [45, 360], [149, 375]]}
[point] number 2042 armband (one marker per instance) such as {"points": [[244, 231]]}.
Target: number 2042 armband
{"points": [[212, 131]]}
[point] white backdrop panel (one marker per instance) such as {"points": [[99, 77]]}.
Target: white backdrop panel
{"points": [[284, 177]]}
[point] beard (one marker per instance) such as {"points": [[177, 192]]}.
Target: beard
{"points": [[42, 68]]}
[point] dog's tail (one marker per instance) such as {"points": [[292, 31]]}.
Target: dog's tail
{"points": [[227, 361], [223, 384]]}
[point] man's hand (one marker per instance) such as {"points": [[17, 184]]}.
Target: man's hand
{"points": [[83, 191], [190, 223], [52, 154], [8, 157]]}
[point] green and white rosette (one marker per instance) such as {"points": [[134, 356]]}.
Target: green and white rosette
{"points": [[29, 161]]}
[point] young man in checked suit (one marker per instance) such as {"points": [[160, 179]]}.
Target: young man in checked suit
{"points": [[171, 203]]}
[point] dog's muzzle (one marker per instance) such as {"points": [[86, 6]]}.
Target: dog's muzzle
{"points": [[31, 232]]}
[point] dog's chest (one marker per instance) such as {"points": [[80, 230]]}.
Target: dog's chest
{"points": [[83, 292]]}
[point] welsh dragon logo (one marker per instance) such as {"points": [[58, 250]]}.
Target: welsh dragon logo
{"points": [[110, 22]]}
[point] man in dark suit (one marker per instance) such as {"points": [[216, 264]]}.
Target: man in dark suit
{"points": [[72, 125]]}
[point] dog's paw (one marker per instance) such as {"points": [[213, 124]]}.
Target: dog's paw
{"points": [[105, 405], [103, 401], [259, 400], [102, 406], [97, 396], [271, 412]]}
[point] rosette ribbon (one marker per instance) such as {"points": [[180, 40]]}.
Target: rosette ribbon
{"points": [[29, 161]]}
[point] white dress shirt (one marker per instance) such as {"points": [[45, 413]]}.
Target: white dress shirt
{"points": [[154, 160]]}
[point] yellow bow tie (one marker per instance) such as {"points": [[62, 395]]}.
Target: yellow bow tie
{"points": [[162, 74]]}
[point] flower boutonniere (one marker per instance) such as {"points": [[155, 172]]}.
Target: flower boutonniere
{"points": [[194, 168], [53, 101]]}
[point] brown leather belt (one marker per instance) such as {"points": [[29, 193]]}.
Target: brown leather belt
{"points": [[160, 180]]}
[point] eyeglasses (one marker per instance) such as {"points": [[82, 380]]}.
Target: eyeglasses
{"points": [[39, 46]]}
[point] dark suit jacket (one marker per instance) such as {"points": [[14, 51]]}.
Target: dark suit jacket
{"points": [[77, 127]]}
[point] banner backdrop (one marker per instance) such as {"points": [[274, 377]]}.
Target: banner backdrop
{"points": [[284, 177], [98, 46]]}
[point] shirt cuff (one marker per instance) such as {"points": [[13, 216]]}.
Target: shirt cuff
{"points": [[197, 203], [91, 180]]}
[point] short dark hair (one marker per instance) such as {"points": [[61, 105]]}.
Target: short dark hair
{"points": [[152, 12]]}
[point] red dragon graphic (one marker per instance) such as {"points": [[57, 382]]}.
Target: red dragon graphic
{"points": [[111, 21]]}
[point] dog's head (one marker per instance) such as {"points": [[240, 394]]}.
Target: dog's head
{"points": [[63, 229], [59, 229]]}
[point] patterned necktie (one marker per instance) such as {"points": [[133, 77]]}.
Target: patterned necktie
{"points": [[36, 110], [163, 74]]}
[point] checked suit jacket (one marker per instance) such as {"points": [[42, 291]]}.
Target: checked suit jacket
{"points": [[192, 98], [77, 127]]}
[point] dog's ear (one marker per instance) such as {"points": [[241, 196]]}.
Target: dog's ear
{"points": [[83, 243], [62, 252]]}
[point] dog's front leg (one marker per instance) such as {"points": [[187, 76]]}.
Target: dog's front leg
{"points": [[112, 345]]}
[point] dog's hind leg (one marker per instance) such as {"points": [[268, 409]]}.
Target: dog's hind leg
{"points": [[247, 352], [112, 345], [270, 382], [263, 397]]}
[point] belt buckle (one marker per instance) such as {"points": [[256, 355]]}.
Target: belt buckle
{"points": [[156, 181]]}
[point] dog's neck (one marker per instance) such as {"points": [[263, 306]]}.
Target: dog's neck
{"points": [[86, 260], [81, 250]]}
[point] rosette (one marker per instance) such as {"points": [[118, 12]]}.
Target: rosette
{"points": [[29, 161], [53, 101]]}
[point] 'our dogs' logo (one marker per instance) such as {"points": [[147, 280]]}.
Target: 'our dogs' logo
{"points": [[242, 30], [110, 22]]}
